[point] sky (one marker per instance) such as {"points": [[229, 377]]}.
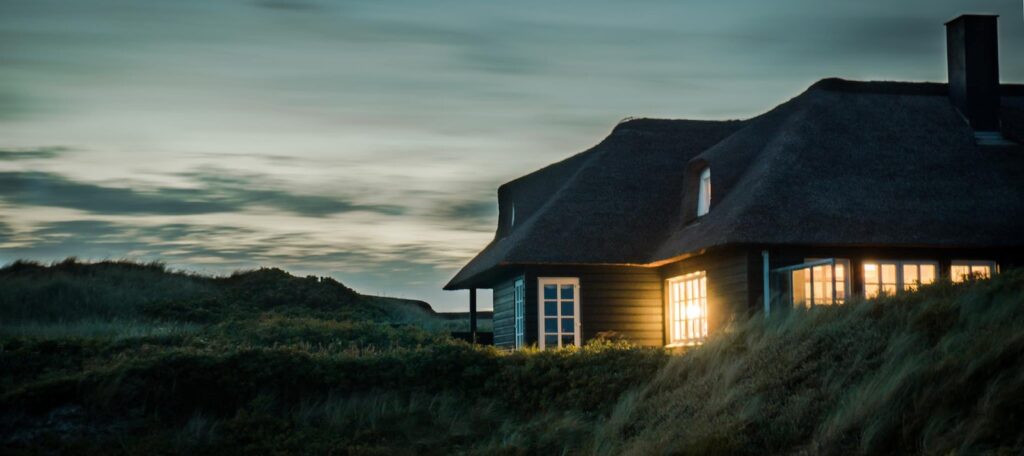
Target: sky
{"points": [[365, 140]]}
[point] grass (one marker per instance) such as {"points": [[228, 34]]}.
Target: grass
{"points": [[94, 328], [266, 363]]}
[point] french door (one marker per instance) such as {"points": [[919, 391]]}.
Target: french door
{"points": [[519, 293], [558, 311]]}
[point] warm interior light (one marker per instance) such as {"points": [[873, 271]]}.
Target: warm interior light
{"points": [[688, 308], [694, 311]]}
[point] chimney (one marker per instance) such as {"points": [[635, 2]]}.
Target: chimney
{"points": [[972, 50]]}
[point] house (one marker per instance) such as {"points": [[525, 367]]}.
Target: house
{"points": [[668, 229]]}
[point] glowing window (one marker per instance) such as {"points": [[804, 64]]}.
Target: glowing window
{"points": [[688, 309], [965, 270], [888, 277], [821, 284], [704, 193], [917, 274]]}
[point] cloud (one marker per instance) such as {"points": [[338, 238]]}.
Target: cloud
{"points": [[370, 268], [34, 188], [5, 232], [216, 193], [288, 5], [468, 214], [39, 153]]}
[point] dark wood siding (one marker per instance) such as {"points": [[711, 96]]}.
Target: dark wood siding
{"points": [[626, 300], [504, 319], [728, 282], [630, 300]]}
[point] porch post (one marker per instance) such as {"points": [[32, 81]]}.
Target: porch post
{"points": [[472, 315], [766, 284]]}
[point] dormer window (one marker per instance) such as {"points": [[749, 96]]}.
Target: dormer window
{"points": [[704, 192]]}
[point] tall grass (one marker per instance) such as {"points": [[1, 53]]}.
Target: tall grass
{"points": [[94, 328], [70, 290], [937, 372]]}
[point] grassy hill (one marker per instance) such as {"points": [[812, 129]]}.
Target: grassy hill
{"points": [[267, 363]]}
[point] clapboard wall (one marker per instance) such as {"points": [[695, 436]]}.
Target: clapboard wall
{"points": [[728, 282], [504, 319], [626, 300]]}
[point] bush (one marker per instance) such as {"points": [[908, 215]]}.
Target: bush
{"points": [[939, 371]]}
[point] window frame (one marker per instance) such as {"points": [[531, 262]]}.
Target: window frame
{"points": [[993, 268], [519, 312], [810, 264], [558, 282], [901, 283], [671, 340], [704, 192]]}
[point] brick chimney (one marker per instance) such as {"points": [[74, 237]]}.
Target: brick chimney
{"points": [[972, 50]]}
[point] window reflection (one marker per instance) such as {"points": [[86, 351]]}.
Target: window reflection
{"points": [[965, 270], [820, 285]]}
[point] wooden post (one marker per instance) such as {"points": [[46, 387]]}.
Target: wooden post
{"points": [[472, 315]]}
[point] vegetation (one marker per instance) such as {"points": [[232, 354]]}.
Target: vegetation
{"points": [[266, 363]]}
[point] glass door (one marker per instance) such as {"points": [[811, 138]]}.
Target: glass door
{"points": [[559, 311], [520, 304]]}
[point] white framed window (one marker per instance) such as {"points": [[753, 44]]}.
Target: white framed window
{"points": [[688, 308], [914, 274], [704, 192], [887, 277], [817, 282], [962, 270], [558, 312], [519, 295]]}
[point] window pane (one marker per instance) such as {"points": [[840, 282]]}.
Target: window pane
{"points": [[550, 308], [687, 308], [889, 274], [567, 309], [704, 192], [567, 325], [871, 290], [927, 274], [959, 272], [983, 272], [550, 325], [567, 291], [551, 341], [568, 341], [549, 291], [870, 273], [801, 287], [910, 277]]}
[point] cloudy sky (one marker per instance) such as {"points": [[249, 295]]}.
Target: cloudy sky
{"points": [[365, 139]]}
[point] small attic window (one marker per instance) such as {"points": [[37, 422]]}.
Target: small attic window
{"points": [[704, 192]]}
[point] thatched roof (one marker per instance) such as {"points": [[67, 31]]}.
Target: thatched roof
{"points": [[844, 163]]}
